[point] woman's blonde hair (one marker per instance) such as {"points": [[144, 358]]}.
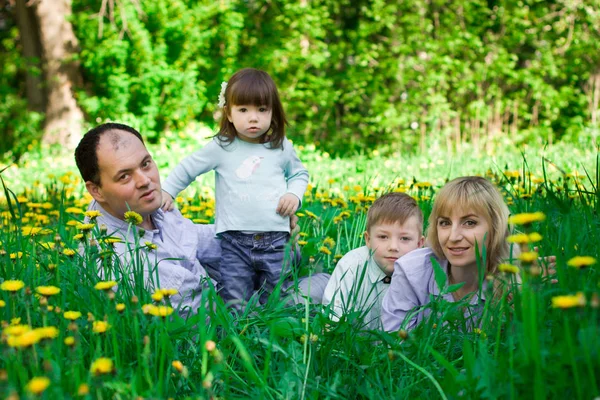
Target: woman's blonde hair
{"points": [[480, 196]]}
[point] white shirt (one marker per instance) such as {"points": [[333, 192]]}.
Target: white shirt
{"points": [[356, 286]]}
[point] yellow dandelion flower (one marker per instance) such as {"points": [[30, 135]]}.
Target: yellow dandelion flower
{"points": [[302, 242], [325, 250], [2, 303], [157, 296], [534, 237], [151, 246], [72, 315], [69, 341], [518, 238], [85, 227], [72, 223], [112, 240], [303, 234], [569, 301], [528, 257], [69, 252], [102, 366], [147, 307], [14, 256], [47, 290], [100, 326], [526, 218], [74, 210], [133, 218], [79, 236], [15, 330], [93, 214], [177, 365], [83, 390], [329, 242], [30, 231], [300, 215], [120, 307], [169, 292], [581, 261], [12, 285], [47, 332], [27, 339], [508, 268], [105, 285], [38, 385], [161, 311]]}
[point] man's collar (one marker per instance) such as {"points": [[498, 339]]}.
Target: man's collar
{"points": [[157, 216]]}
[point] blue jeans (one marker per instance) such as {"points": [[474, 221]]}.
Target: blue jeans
{"points": [[249, 262]]}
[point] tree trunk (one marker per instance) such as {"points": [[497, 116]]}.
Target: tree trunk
{"points": [[64, 118], [29, 33]]}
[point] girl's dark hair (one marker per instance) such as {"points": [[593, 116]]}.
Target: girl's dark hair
{"points": [[251, 86]]}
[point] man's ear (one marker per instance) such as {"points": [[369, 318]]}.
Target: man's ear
{"points": [[95, 190], [367, 239]]}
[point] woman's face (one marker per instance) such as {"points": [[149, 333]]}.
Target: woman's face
{"points": [[459, 233]]}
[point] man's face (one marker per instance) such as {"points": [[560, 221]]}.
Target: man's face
{"points": [[129, 177]]}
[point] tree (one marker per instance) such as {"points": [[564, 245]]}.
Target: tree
{"points": [[45, 30]]}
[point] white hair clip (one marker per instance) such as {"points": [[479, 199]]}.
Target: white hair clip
{"points": [[222, 95]]}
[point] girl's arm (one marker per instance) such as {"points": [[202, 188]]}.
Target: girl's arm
{"points": [[297, 181], [191, 167]]}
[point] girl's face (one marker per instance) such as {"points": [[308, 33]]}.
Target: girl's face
{"points": [[458, 235], [251, 122]]}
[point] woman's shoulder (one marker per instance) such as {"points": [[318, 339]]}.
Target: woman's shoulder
{"points": [[417, 264]]}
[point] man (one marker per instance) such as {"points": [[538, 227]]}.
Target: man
{"points": [[121, 175]]}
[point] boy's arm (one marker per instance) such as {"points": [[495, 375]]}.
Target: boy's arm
{"points": [[190, 168]]}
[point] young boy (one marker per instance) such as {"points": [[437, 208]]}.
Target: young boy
{"points": [[362, 276]]}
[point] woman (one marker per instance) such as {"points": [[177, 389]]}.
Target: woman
{"points": [[468, 213]]}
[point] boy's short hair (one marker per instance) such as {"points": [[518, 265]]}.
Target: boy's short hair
{"points": [[394, 208]]}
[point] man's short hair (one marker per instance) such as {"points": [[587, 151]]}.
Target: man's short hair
{"points": [[86, 156], [394, 208]]}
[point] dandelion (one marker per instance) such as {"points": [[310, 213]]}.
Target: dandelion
{"points": [[85, 227], [2, 303], [112, 240], [519, 238], [312, 338], [157, 296], [534, 237], [508, 268], [69, 252], [179, 367], [569, 301], [325, 250], [15, 329], [302, 242], [526, 218], [26, 339], [31, 231], [83, 389], [161, 311], [100, 326], [581, 261], [93, 214], [210, 346], [311, 214], [120, 307], [102, 366], [47, 332], [169, 292], [47, 290], [12, 285], [528, 257], [133, 218], [329, 242], [150, 246], [69, 341], [17, 255], [72, 315], [105, 285], [38, 385]]}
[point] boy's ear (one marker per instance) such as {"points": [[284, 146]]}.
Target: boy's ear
{"points": [[95, 191], [367, 239], [421, 241]]}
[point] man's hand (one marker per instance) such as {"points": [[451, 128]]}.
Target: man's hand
{"points": [[288, 204], [167, 201]]}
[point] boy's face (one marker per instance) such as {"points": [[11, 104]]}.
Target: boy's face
{"points": [[390, 241]]}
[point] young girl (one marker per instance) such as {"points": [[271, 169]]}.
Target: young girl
{"points": [[259, 184]]}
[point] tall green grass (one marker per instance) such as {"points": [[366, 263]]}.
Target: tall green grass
{"points": [[523, 348]]}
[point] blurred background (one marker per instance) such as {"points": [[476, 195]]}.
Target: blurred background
{"points": [[354, 76]]}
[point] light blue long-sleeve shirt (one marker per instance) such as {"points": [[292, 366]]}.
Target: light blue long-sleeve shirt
{"points": [[250, 179]]}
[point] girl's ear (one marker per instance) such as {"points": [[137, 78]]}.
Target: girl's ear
{"points": [[226, 111]]}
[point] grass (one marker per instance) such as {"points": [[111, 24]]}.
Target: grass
{"points": [[524, 348]]}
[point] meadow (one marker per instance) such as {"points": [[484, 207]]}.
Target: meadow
{"points": [[67, 334]]}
